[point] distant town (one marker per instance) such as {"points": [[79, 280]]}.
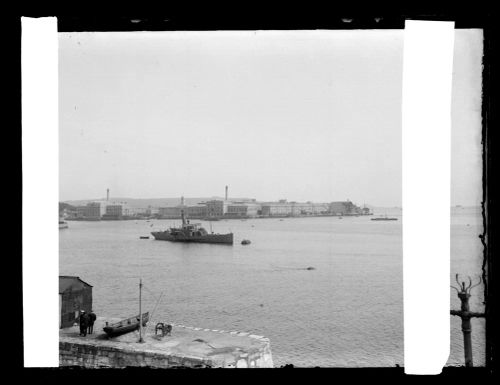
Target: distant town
{"points": [[214, 209]]}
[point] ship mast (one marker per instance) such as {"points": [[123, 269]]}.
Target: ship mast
{"points": [[183, 218]]}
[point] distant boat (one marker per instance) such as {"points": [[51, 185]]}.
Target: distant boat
{"points": [[385, 218], [245, 242], [125, 326], [63, 224], [144, 237]]}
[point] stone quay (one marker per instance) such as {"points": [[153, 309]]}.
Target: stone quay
{"points": [[186, 346]]}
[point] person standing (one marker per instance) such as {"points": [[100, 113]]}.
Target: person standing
{"points": [[92, 318], [84, 322]]}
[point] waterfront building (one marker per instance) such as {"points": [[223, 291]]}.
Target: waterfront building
{"points": [[116, 211], [137, 211], [309, 208], [91, 211], [344, 208], [197, 211], [170, 212], [242, 209], [276, 209], [150, 211], [80, 212], [284, 208], [99, 207], [74, 295], [216, 208]]}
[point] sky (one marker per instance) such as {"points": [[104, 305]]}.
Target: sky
{"points": [[297, 115]]}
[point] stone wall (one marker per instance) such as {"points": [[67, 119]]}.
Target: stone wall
{"points": [[92, 356]]}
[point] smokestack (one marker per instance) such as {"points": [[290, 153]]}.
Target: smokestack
{"points": [[182, 201], [226, 192], [107, 195]]}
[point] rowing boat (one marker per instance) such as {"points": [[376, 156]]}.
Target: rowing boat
{"points": [[125, 326]]}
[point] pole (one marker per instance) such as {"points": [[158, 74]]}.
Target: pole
{"points": [[466, 329], [140, 311], [465, 314]]}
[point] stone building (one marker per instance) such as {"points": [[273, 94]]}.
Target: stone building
{"points": [[198, 211], [170, 212], [216, 208], [242, 209], [74, 295], [91, 211]]}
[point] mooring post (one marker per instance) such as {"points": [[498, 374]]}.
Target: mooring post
{"points": [[465, 314]]}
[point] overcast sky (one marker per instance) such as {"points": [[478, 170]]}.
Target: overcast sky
{"points": [[297, 115]]}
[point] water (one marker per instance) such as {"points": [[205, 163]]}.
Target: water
{"points": [[348, 311]]}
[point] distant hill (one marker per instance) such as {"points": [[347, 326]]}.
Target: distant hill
{"points": [[154, 202], [67, 206]]}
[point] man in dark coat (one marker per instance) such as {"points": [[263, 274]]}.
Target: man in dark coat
{"points": [[84, 322], [92, 318]]}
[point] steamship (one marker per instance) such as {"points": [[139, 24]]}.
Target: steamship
{"points": [[192, 232]]}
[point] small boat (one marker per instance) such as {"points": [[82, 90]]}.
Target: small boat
{"points": [[145, 237], [386, 218], [245, 242], [126, 325], [63, 224]]}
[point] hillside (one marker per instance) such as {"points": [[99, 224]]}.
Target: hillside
{"points": [[63, 205]]}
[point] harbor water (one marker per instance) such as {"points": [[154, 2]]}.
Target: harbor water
{"points": [[346, 311]]}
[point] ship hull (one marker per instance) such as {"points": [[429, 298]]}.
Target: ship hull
{"points": [[226, 239]]}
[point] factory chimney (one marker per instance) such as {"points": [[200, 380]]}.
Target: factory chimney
{"points": [[182, 201], [226, 193], [107, 195]]}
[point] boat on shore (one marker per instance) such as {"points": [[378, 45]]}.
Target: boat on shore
{"points": [[125, 326], [192, 232], [129, 324]]}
